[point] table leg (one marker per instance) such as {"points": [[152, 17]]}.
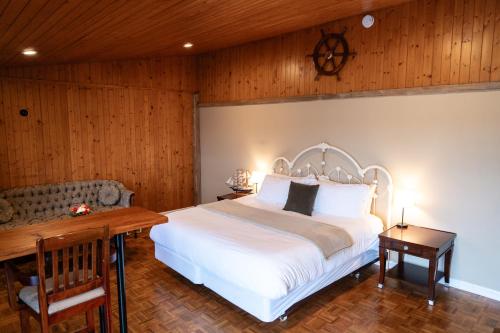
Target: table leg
{"points": [[381, 278], [447, 264], [432, 280], [102, 320], [401, 263], [120, 281]]}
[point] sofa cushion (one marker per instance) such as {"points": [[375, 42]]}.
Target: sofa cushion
{"points": [[108, 195], [6, 211]]}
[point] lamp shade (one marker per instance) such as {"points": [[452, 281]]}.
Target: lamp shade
{"points": [[406, 198], [257, 177]]}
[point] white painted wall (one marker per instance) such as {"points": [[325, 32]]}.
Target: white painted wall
{"points": [[447, 146]]}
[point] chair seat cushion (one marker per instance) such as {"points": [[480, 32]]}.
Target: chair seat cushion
{"points": [[29, 295]]}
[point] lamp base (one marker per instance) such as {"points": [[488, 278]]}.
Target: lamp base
{"points": [[402, 225]]}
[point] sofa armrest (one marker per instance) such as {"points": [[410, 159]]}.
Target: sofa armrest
{"points": [[127, 198]]}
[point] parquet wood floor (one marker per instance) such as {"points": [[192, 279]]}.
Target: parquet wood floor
{"points": [[160, 300]]}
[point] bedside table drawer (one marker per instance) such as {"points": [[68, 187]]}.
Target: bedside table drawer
{"points": [[404, 247]]}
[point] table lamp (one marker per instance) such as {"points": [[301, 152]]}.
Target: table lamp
{"points": [[406, 200], [256, 178]]}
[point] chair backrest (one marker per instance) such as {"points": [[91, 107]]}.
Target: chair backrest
{"points": [[80, 263]]}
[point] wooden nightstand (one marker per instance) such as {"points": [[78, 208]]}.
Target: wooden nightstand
{"points": [[422, 242], [232, 196]]}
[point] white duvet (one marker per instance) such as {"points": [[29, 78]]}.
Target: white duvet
{"points": [[267, 262]]}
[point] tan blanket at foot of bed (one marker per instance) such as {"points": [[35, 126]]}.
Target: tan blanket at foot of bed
{"points": [[328, 238]]}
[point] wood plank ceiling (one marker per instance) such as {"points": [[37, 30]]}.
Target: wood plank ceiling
{"points": [[84, 30]]}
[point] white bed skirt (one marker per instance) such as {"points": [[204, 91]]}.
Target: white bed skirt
{"points": [[265, 309]]}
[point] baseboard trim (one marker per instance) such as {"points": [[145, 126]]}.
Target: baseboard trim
{"points": [[472, 288], [461, 285]]}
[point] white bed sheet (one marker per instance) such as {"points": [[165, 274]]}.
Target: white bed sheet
{"points": [[261, 261]]}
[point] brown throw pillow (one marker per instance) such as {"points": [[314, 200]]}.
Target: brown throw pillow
{"points": [[301, 198]]}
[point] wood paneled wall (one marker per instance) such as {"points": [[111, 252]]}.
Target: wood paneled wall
{"points": [[419, 44], [130, 121], [170, 73]]}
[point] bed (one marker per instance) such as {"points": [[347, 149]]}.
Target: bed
{"points": [[265, 271]]}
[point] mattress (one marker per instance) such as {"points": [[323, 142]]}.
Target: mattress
{"points": [[258, 264]]}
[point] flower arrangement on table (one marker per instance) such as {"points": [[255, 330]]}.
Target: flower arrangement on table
{"points": [[80, 209]]}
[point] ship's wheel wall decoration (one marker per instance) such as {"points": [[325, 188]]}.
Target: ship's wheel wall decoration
{"points": [[331, 54]]}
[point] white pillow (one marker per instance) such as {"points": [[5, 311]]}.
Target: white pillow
{"points": [[274, 189], [346, 200]]}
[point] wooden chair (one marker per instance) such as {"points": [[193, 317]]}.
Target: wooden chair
{"points": [[77, 281]]}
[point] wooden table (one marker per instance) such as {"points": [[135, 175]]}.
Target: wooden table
{"points": [[21, 241], [422, 242]]}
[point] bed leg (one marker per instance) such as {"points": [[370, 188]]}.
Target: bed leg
{"points": [[283, 317]]}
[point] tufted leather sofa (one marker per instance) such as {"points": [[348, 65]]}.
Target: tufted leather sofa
{"points": [[36, 204]]}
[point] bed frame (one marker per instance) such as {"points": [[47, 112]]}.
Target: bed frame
{"points": [[334, 164]]}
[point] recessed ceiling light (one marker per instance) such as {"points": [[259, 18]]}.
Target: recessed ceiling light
{"points": [[368, 21], [29, 52], [188, 45]]}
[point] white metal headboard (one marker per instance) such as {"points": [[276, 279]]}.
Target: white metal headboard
{"points": [[353, 173]]}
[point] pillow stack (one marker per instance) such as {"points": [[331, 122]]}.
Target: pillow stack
{"points": [[308, 196]]}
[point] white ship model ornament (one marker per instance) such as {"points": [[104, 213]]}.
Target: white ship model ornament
{"points": [[238, 182]]}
